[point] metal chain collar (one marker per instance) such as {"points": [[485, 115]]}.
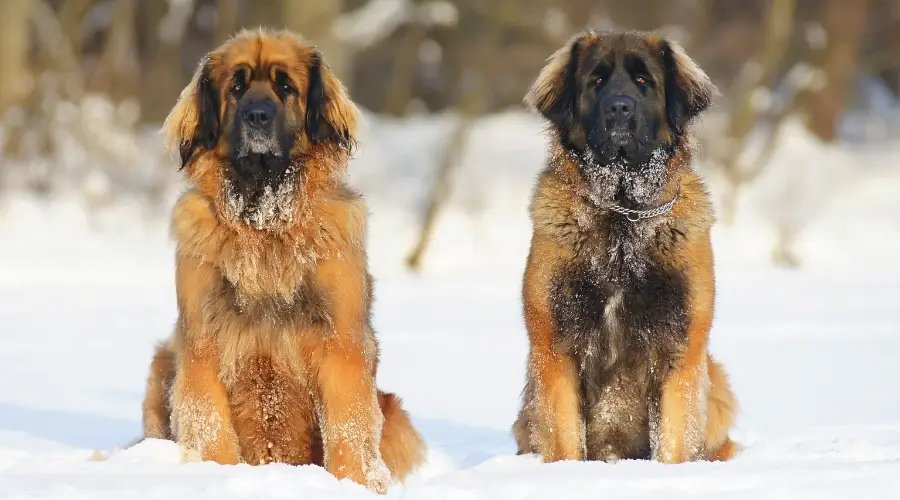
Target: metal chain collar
{"points": [[636, 215]]}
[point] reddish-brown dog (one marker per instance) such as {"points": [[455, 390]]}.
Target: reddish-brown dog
{"points": [[619, 286], [273, 358]]}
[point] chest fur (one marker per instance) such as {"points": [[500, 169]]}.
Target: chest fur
{"points": [[618, 305], [303, 308]]}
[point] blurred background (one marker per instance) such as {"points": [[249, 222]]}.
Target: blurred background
{"points": [[801, 154], [800, 151]]}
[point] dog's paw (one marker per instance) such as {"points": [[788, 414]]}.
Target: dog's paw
{"points": [[609, 455], [378, 476], [190, 454]]}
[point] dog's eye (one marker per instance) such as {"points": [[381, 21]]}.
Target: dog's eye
{"points": [[640, 80], [238, 84], [284, 83], [598, 80]]}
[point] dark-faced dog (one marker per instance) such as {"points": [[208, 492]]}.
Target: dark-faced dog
{"points": [[619, 286], [273, 357]]}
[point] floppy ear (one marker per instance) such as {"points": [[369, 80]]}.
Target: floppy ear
{"points": [[330, 114], [555, 92], [193, 123], [689, 90]]}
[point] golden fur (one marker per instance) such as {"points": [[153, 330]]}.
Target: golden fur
{"points": [[618, 312], [274, 358]]}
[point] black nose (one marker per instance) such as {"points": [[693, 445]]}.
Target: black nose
{"points": [[259, 114], [620, 107]]}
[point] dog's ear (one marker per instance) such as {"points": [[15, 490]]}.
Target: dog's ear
{"points": [[689, 90], [193, 123], [330, 114], [555, 92]]}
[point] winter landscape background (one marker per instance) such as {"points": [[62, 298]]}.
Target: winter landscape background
{"points": [[801, 152]]}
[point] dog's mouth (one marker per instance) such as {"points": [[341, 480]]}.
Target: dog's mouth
{"points": [[621, 137], [260, 188], [262, 193], [254, 141], [259, 158], [623, 142], [619, 145]]}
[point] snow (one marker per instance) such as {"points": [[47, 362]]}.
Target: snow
{"points": [[379, 19], [812, 353], [372, 22]]}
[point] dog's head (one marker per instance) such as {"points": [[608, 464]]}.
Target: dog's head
{"points": [[620, 96], [259, 105]]}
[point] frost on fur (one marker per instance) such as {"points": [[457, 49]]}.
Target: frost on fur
{"points": [[269, 206], [196, 424], [359, 433], [643, 184]]}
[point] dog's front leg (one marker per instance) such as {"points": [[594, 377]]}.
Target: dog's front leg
{"points": [[681, 417], [350, 417], [201, 415], [557, 428], [556, 425]]}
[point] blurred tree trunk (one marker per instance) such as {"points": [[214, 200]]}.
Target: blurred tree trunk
{"points": [[886, 61], [474, 86], [699, 28], [448, 162], [404, 71], [70, 15], [226, 20], [163, 76], [759, 75], [116, 73], [14, 44], [314, 20], [822, 102], [844, 23]]}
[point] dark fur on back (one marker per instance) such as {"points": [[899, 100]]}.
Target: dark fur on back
{"points": [[613, 300]]}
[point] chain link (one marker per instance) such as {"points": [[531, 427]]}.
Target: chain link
{"points": [[636, 215]]}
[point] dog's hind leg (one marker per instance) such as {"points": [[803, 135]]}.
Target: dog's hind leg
{"points": [[156, 413], [402, 448], [521, 431]]}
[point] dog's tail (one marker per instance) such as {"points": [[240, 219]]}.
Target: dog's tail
{"points": [[721, 411], [402, 448]]}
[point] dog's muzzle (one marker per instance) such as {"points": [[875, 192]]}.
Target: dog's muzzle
{"points": [[618, 112], [258, 129]]}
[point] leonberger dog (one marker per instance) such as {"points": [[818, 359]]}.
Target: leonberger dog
{"points": [[273, 357], [618, 289]]}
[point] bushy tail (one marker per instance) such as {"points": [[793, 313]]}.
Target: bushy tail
{"points": [[402, 448], [721, 411]]}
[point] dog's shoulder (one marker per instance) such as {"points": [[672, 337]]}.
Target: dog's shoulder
{"points": [[696, 208], [196, 227], [556, 207], [341, 217]]}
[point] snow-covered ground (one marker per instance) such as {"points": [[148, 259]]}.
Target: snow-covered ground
{"points": [[814, 354]]}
